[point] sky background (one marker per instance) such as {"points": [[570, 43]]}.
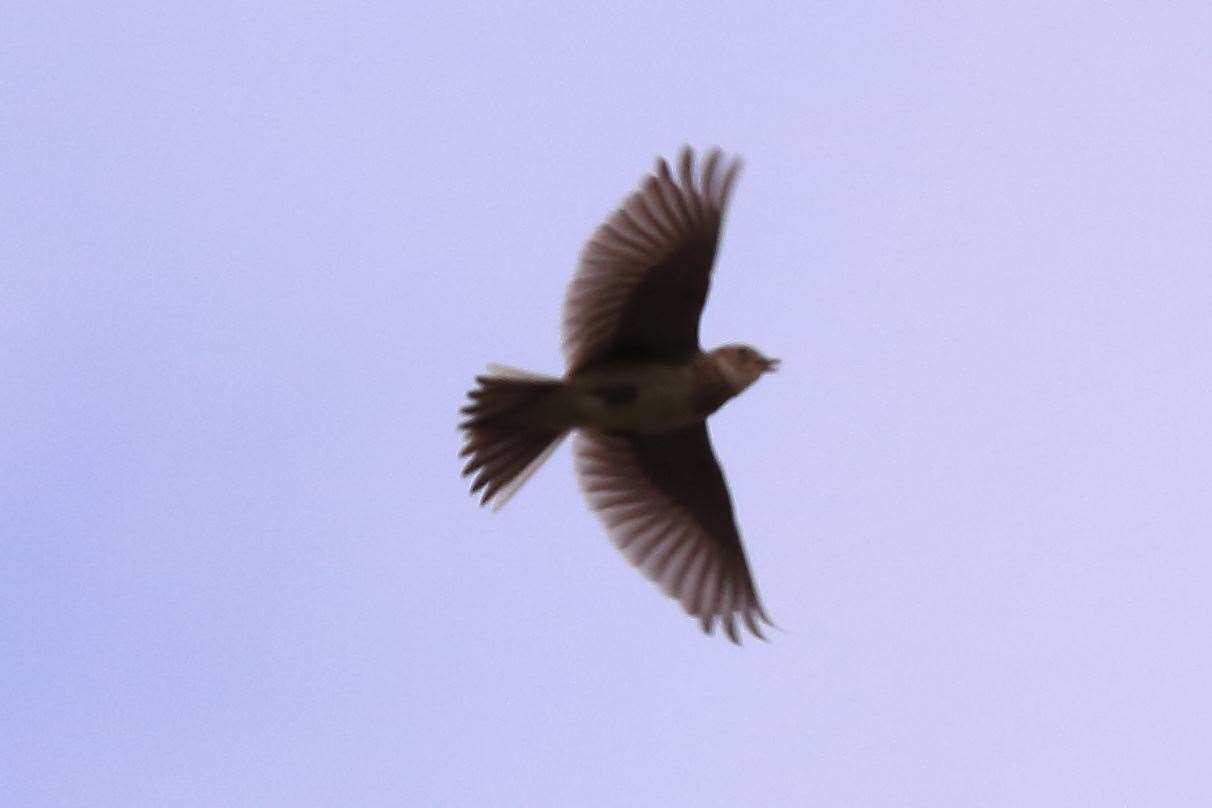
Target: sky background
{"points": [[251, 258]]}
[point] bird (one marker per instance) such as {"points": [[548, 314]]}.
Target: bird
{"points": [[637, 391]]}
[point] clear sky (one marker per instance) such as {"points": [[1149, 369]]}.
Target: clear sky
{"points": [[250, 260]]}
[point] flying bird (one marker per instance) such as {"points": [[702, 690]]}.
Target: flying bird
{"points": [[637, 390]]}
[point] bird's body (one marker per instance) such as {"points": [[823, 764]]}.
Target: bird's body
{"points": [[638, 391], [648, 396]]}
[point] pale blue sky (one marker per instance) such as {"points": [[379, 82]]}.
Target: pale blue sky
{"points": [[251, 259]]}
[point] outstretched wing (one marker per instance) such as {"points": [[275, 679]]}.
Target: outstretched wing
{"points": [[666, 506], [642, 279]]}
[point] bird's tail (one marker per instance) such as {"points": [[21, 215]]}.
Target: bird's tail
{"points": [[514, 422]]}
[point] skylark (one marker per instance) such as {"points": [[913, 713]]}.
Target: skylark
{"points": [[638, 390]]}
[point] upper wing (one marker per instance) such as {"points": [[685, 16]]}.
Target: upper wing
{"points": [[642, 278], [666, 506]]}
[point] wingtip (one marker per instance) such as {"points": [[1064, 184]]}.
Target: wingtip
{"points": [[729, 622], [686, 168]]}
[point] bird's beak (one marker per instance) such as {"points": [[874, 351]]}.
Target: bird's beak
{"points": [[771, 365]]}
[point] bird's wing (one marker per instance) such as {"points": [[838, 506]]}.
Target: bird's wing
{"points": [[666, 506], [642, 279]]}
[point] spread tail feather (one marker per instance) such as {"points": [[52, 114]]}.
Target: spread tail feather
{"points": [[515, 421]]}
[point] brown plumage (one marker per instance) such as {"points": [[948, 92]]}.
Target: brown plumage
{"points": [[638, 389]]}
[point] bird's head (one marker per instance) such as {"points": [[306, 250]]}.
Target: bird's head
{"points": [[742, 365]]}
